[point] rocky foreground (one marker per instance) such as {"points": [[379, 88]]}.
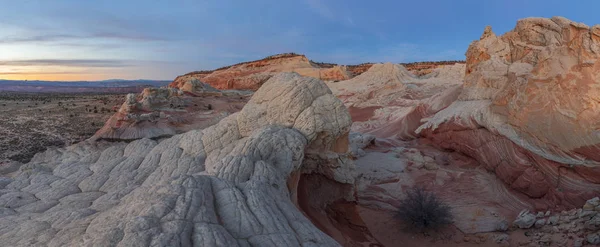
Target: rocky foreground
{"points": [[508, 140]]}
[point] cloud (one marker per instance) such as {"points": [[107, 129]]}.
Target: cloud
{"points": [[104, 63], [126, 36], [42, 73], [37, 38], [67, 37]]}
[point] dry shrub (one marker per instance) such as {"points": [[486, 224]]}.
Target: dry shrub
{"points": [[421, 211]]}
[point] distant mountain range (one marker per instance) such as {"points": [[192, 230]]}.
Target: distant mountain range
{"points": [[105, 86]]}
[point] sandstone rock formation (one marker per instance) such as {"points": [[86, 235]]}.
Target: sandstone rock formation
{"points": [[163, 112], [389, 101], [236, 183], [251, 75], [528, 110], [393, 85]]}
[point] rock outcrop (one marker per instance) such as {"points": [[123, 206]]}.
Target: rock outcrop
{"points": [[529, 109], [251, 75], [389, 101], [393, 85], [232, 184], [163, 112]]}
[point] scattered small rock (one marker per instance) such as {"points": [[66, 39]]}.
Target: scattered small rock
{"points": [[525, 220], [591, 204], [501, 238], [593, 238], [587, 213], [431, 166], [553, 220], [546, 240], [502, 225], [593, 224], [540, 223]]}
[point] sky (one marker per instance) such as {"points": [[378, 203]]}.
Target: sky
{"points": [[155, 39]]}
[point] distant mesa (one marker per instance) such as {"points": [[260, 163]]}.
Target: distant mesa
{"points": [[251, 75]]}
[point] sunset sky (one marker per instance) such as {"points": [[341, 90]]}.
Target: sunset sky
{"points": [[96, 40]]}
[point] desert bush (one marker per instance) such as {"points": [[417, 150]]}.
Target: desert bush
{"points": [[421, 211]]}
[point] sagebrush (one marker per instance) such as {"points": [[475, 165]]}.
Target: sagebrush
{"points": [[422, 211]]}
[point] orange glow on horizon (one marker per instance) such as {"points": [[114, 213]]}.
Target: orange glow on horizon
{"points": [[55, 77]]}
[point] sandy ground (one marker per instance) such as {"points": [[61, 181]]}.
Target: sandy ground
{"points": [[30, 123]]}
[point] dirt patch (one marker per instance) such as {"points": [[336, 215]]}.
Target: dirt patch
{"points": [[362, 114], [32, 122]]}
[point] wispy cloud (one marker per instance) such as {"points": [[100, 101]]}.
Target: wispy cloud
{"points": [[105, 63], [42, 73], [48, 38], [36, 38], [127, 36]]}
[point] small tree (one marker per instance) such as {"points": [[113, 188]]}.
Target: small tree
{"points": [[422, 211]]}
